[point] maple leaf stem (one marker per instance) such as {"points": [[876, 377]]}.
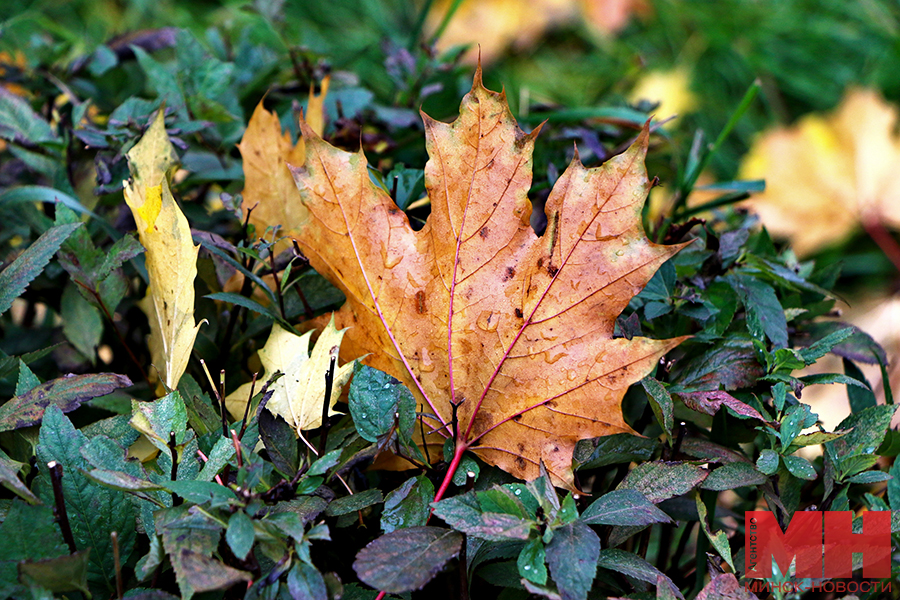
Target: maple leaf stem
{"points": [[461, 448]]}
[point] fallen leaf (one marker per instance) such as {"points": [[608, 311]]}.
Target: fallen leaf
{"points": [[269, 190], [297, 396], [475, 309], [171, 255], [490, 26], [671, 89], [829, 172]]}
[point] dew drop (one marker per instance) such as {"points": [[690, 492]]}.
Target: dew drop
{"points": [[527, 567], [392, 259], [571, 375], [425, 364], [518, 492], [487, 321], [620, 253], [552, 359], [363, 416]]}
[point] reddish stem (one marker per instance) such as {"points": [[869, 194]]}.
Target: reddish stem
{"points": [[451, 470], [876, 230]]}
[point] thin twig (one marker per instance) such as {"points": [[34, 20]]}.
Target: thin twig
{"points": [[114, 536], [237, 449], [62, 517], [173, 448], [881, 236], [326, 404], [247, 408]]}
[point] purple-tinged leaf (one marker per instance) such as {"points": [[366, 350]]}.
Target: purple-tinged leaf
{"points": [[406, 559]]}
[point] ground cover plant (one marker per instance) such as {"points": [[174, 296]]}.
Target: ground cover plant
{"points": [[269, 332]]}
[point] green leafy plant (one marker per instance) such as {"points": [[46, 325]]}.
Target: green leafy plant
{"points": [[117, 484]]}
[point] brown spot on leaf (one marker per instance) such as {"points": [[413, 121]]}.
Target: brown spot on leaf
{"points": [[420, 302], [519, 312], [508, 274], [552, 270], [520, 463], [483, 232]]}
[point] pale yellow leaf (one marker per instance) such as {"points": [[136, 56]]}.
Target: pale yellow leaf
{"points": [[171, 256], [297, 396], [829, 172]]}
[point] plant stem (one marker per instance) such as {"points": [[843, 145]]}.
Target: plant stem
{"points": [[326, 404], [881, 236], [451, 470], [114, 536], [62, 517], [173, 448]]}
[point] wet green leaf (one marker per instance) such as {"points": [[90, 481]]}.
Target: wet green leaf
{"points": [[572, 555], [240, 534], [406, 559], [623, 507], [409, 505], [377, 402]]}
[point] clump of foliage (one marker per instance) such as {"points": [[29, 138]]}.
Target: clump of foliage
{"points": [[245, 470]]}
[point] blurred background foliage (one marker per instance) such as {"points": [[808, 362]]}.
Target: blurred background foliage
{"points": [[593, 68]]}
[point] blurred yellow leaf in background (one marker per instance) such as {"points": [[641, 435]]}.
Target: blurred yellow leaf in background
{"points": [[671, 89], [495, 25], [171, 256], [829, 173]]}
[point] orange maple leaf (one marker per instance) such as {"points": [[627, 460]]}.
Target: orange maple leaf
{"points": [[477, 311], [269, 191]]}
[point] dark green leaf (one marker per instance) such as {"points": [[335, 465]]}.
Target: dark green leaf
{"points": [[860, 398], [768, 462], [869, 477], [823, 346], [26, 381], [799, 467], [893, 487], [67, 393], [94, 511], [658, 481], [323, 464], [160, 418], [731, 364], [185, 531], [9, 477], [406, 559], [466, 514], [660, 402], [868, 431], [124, 249], [793, 423], [633, 566], [119, 480], [531, 561], [572, 555], [765, 316], [409, 505], [28, 265], [200, 573], [612, 449], [306, 583], [859, 347], [826, 378], [377, 402], [200, 492], [733, 475], [240, 534], [357, 501], [218, 457], [36, 536], [62, 574], [280, 441], [82, 322], [623, 507]]}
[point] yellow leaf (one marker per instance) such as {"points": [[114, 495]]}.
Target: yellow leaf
{"points": [[829, 172], [269, 189], [670, 88], [297, 396], [170, 253]]}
